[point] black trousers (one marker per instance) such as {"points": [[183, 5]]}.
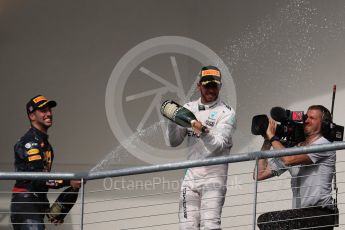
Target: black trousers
{"points": [[27, 211], [314, 218]]}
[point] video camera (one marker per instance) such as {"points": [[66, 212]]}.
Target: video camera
{"points": [[291, 130]]}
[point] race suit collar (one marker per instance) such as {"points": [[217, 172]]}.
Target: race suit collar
{"points": [[39, 133], [207, 105]]}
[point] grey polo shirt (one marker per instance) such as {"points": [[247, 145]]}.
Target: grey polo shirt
{"points": [[311, 184]]}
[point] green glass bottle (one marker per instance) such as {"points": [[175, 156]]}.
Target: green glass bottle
{"points": [[63, 204], [179, 114]]}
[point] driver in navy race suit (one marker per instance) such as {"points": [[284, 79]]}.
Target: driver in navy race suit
{"points": [[33, 153]]}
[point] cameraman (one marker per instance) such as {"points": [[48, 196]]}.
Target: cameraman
{"points": [[311, 177]]}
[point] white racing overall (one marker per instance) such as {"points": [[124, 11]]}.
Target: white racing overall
{"points": [[204, 188]]}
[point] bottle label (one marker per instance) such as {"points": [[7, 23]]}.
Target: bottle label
{"points": [[170, 109]]}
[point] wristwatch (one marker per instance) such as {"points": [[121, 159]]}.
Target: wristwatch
{"points": [[274, 138]]}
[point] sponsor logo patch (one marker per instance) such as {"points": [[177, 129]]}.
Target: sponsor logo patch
{"points": [[48, 156], [209, 123], [40, 98], [35, 158], [232, 120], [33, 151], [210, 72], [213, 115], [192, 134], [27, 145], [184, 202]]}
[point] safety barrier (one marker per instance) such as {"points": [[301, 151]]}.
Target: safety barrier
{"points": [[145, 198]]}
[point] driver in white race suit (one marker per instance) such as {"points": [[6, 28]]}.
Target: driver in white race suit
{"points": [[204, 188]]}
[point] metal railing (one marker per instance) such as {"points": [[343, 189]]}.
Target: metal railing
{"points": [[245, 197]]}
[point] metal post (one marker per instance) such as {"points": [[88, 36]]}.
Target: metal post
{"points": [[256, 172], [82, 205]]}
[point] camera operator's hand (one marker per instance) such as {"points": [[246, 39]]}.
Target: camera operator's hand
{"points": [[271, 135], [271, 129]]}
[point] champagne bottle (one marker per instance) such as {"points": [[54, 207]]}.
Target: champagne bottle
{"points": [[179, 114], [63, 204]]}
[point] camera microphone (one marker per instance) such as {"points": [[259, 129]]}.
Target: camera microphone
{"points": [[279, 114], [290, 130]]}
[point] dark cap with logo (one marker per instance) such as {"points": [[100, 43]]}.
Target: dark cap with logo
{"points": [[210, 74], [38, 102]]}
